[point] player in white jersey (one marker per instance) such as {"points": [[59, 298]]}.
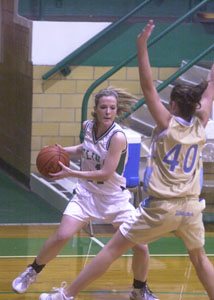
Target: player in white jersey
{"points": [[172, 178], [100, 192], [95, 151]]}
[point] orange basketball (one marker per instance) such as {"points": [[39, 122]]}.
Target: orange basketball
{"points": [[48, 158]]}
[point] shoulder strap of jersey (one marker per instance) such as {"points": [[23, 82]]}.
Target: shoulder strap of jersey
{"points": [[88, 123], [110, 137]]}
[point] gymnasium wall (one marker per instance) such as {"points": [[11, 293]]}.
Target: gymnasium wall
{"points": [[57, 102], [102, 10], [15, 94], [192, 36], [49, 48], [35, 113]]}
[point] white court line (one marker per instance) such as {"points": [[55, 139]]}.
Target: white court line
{"points": [[98, 242], [187, 274], [87, 256], [181, 293], [92, 255]]}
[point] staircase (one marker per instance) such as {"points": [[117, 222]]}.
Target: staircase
{"points": [[59, 192], [141, 120]]}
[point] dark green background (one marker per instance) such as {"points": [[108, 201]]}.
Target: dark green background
{"points": [[185, 42], [19, 205]]}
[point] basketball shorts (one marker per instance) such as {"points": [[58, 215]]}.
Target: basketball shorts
{"points": [[86, 206], [155, 218]]}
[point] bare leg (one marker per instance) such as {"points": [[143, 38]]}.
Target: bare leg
{"points": [[117, 246], [204, 269], [68, 227], [140, 262]]}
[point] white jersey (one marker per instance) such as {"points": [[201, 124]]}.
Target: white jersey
{"points": [[94, 154]]}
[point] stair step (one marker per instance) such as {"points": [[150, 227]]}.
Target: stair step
{"points": [[194, 75], [165, 93], [56, 193], [142, 121]]}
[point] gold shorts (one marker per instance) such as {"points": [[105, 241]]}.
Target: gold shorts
{"points": [[157, 217]]}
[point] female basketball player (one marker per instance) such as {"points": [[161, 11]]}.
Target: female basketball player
{"points": [[100, 192], [172, 179]]}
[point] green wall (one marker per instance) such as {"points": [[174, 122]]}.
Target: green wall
{"points": [[185, 42], [95, 8]]}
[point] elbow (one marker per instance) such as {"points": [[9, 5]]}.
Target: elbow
{"points": [[105, 177], [104, 174]]}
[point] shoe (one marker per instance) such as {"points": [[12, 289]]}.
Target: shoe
{"points": [[142, 294], [22, 282], [57, 296]]}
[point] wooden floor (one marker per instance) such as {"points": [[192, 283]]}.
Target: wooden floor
{"points": [[171, 275]]}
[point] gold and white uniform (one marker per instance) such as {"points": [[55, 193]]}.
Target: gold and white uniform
{"points": [[174, 165], [173, 180]]}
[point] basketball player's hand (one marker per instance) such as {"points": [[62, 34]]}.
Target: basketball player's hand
{"points": [[145, 34], [58, 145], [64, 173]]}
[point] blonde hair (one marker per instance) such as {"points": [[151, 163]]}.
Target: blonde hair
{"points": [[124, 99]]}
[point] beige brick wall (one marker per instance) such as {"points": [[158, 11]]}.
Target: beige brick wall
{"points": [[57, 101]]}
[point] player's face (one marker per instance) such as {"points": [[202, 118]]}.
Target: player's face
{"points": [[106, 110]]}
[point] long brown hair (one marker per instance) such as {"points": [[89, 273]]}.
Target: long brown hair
{"points": [[188, 98]]}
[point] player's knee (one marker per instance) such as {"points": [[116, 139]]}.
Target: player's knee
{"points": [[141, 249], [197, 256], [62, 237]]}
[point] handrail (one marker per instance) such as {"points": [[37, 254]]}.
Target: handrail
{"points": [[169, 80], [64, 64], [126, 61]]}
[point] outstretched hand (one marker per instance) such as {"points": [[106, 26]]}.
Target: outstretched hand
{"points": [[65, 172], [145, 34]]}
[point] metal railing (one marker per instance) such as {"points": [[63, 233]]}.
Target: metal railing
{"points": [[126, 61], [170, 80], [63, 66]]}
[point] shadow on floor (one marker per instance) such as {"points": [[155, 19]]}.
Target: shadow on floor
{"points": [[19, 205]]}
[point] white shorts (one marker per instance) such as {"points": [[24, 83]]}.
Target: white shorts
{"points": [[86, 206], [155, 218]]}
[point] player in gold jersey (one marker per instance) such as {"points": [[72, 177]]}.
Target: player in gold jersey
{"points": [[172, 179]]}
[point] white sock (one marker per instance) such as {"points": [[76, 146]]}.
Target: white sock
{"points": [[68, 298]]}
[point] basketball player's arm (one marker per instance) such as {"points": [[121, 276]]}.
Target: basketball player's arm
{"points": [[74, 151], [117, 145], [160, 114], [207, 100]]}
